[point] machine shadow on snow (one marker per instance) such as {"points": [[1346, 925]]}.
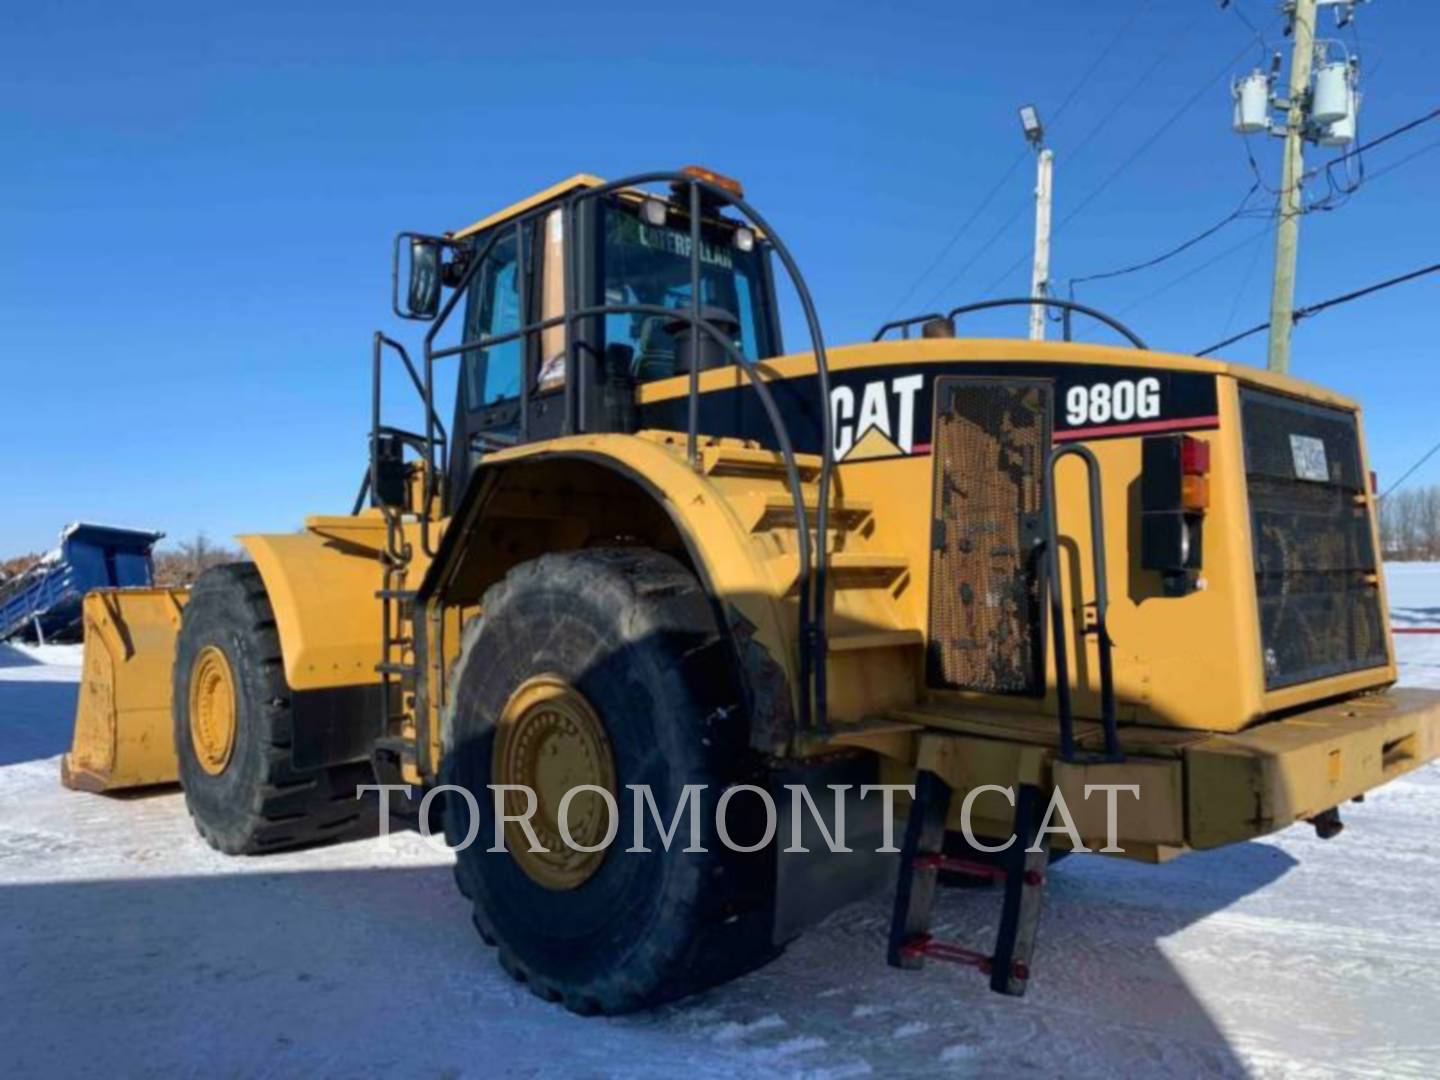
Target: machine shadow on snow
{"points": [[36, 716], [1415, 616], [231, 946]]}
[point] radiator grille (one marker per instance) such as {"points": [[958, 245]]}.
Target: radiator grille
{"points": [[989, 443], [1315, 564]]}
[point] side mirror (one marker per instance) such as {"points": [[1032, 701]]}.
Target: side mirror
{"points": [[422, 294], [423, 298]]}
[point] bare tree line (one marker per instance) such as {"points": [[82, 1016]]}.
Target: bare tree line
{"points": [[185, 562], [1410, 524]]}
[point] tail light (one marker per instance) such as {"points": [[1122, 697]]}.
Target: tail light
{"points": [[1174, 495]]}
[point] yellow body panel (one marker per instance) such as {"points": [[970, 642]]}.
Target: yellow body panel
{"points": [[123, 728], [1191, 662]]}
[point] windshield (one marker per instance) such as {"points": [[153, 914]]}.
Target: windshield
{"points": [[648, 264]]}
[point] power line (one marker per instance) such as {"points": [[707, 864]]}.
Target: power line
{"points": [[1401, 130], [955, 237], [1244, 18], [1334, 301], [1130, 94], [1023, 156], [1238, 212], [1405, 160], [980, 252], [1139, 151], [1244, 288], [1219, 257], [1341, 191], [1144, 146], [1152, 139], [1413, 469]]}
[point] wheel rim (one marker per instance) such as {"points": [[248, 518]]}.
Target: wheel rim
{"points": [[550, 740], [212, 710]]}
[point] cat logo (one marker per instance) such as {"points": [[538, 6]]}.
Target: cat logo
{"points": [[883, 425]]}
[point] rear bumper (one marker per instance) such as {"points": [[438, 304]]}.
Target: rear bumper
{"points": [[1253, 782], [1192, 789], [1220, 789]]}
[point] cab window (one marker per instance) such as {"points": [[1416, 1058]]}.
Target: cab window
{"points": [[492, 373], [650, 264]]}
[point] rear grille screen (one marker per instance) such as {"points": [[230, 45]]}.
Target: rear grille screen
{"points": [[1315, 564], [989, 443]]}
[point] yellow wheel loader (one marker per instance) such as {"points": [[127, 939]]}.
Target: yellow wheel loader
{"points": [[924, 608]]}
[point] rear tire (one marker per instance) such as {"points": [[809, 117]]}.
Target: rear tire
{"points": [[248, 799], [631, 631]]}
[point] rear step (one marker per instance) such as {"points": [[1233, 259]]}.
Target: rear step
{"points": [[740, 461], [1022, 871], [776, 510], [874, 639], [851, 569]]}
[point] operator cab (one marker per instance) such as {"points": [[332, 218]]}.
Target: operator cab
{"points": [[634, 251]]}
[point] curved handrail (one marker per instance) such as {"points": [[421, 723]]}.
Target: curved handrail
{"points": [[812, 562], [1064, 706], [1013, 301]]}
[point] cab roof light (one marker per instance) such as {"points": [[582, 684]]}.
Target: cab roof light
{"points": [[1194, 456], [719, 180]]}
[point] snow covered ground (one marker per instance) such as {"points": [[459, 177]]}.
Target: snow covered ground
{"points": [[128, 948]]}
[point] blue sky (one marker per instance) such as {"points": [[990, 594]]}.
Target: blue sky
{"points": [[197, 202]]}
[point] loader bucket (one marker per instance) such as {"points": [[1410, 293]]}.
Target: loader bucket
{"points": [[123, 731]]}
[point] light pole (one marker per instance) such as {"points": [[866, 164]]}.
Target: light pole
{"points": [[1044, 168]]}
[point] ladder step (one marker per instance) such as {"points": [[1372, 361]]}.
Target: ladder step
{"points": [[388, 668], [923, 857], [740, 461], [395, 594], [874, 639], [776, 509], [850, 569]]}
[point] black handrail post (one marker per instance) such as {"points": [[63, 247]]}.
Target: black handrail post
{"points": [[816, 638], [692, 431], [1108, 711], [522, 283], [374, 412], [1063, 704], [572, 255]]}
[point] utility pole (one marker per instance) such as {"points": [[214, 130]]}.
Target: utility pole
{"points": [[1044, 168], [1287, 229]]}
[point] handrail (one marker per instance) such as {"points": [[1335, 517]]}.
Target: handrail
{"points": [[1056, 590], [903, 325], [1013, 301], [812, 565], [397, 552]]}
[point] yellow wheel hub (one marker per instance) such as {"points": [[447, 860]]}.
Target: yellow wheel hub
{"points": [[212, 710], [550, 740]]}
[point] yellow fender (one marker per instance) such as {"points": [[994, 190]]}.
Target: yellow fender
{"points": [[322, 585]]}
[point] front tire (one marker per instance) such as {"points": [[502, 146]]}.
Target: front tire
{"points": [[629, 636], [233, 730]]}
